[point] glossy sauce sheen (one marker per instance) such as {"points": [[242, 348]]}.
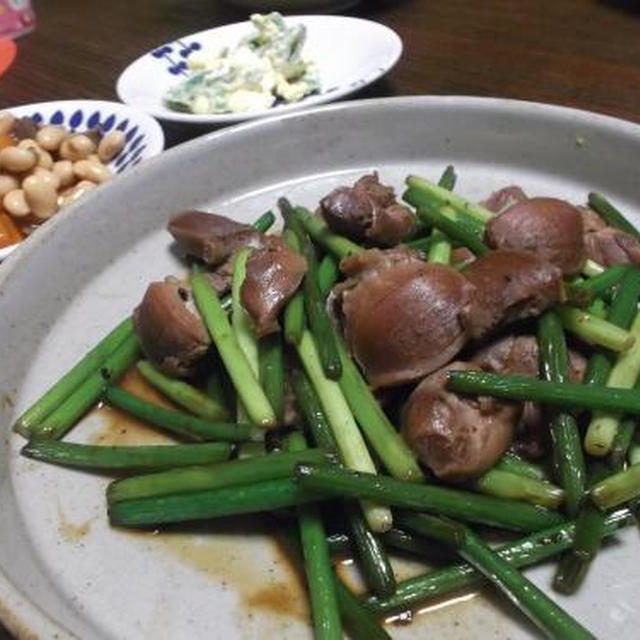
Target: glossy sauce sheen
{"points": [[123, 429], [243, 556]]}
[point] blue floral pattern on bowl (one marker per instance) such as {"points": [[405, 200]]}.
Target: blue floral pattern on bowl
{"points": [[175, 55], [104, 121]]}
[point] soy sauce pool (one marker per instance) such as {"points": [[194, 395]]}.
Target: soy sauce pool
{"points": [[244, 558]]}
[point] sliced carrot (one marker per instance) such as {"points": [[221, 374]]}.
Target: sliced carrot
{"points": [[6, 141], [9, 231]]}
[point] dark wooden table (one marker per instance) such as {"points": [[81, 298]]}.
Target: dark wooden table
{"points": [[580, 53]]}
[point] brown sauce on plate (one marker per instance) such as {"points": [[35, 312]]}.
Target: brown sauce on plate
{"points": [[72, 532], [122, 429], [242, 554]]}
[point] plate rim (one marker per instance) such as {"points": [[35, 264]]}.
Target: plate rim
{"points": [[235, 118], [17, 611]]}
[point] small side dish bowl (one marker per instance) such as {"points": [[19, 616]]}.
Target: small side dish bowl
{"points": [[143, 135], [350, 53]]}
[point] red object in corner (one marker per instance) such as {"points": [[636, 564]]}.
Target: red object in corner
{"points": [[16, 18], [8, 52]]}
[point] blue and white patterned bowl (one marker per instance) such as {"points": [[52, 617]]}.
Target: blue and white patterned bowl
{"points": [[143, 134], [350, 53]]}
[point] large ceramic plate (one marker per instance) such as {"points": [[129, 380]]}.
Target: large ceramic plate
{"points": [[350, 53], [64, 571]]}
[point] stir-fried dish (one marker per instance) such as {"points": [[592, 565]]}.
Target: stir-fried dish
{"points": [[397, 374]]}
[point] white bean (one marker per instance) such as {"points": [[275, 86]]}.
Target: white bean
{"points": [[17, 160], [50, 136], [44, 157], [7, 183], [28, 143], [87, 170], [6, 122], [111, 145], [72, 194], [48, 176], [41, 196], [80, 146], [65, 152], [64, 170], [15, 203]]}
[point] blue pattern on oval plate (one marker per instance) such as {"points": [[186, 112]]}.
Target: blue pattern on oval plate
{"points": [[174, 65], [130, 154]]}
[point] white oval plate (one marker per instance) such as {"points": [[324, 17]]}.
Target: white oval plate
{"points": [[64, 571], [350, 53], [144, 136]]}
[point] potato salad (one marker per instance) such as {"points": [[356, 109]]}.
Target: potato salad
{"points": [[266, 67]]}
